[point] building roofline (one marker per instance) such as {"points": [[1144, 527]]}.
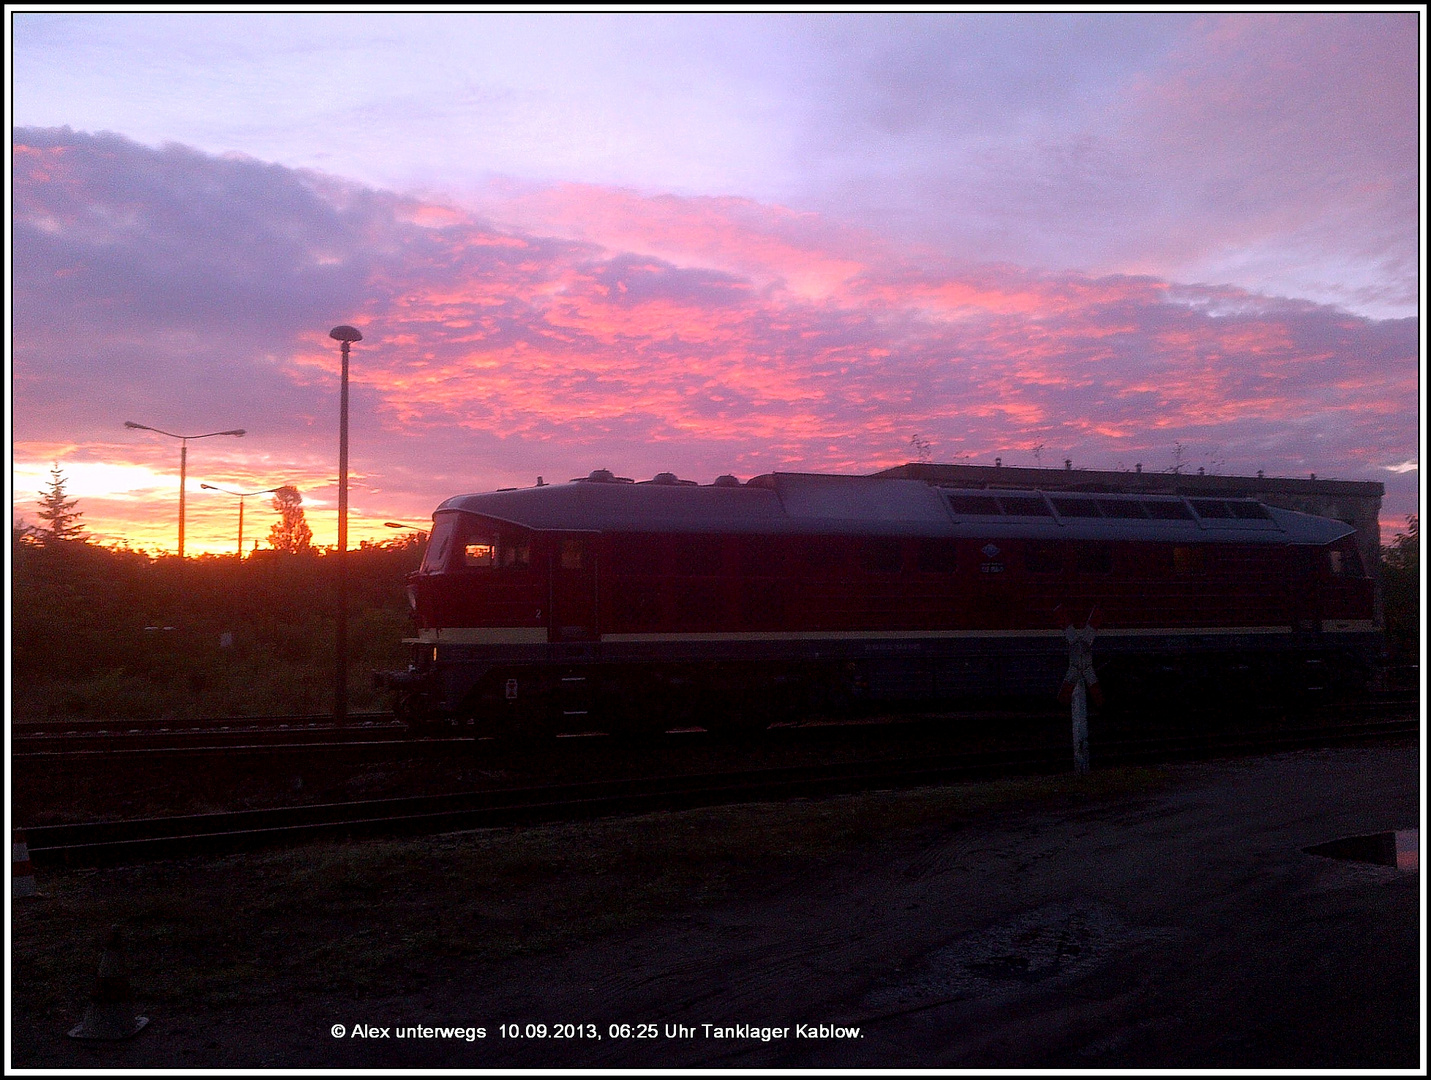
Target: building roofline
{"points": [[1167, 483]]}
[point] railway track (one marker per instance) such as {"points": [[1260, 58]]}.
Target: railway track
{"points": [[373, 734], [113, 725], [160, 732], [119, 842], [69, 744]]}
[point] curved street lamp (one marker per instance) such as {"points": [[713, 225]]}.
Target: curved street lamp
{"points": [[242, 495], [183, 462], [347, 335]]}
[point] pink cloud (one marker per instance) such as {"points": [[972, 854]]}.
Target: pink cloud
{"points": [[698, 335]]}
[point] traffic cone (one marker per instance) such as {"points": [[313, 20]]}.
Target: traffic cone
{"points": [[110, 1014], [22, 874]]}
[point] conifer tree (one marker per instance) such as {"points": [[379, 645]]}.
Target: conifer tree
{"points": [[61, 518], [291, 534]]}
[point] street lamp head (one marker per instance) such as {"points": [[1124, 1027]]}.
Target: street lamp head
{"points": [[239, 494], [172, 435], [345, 333]]}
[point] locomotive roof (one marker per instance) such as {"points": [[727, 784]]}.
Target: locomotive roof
{"points": [[807, 503]]}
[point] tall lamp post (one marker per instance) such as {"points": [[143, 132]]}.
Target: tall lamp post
{"points": [[346, 335], [183, 463], [241, 495]]}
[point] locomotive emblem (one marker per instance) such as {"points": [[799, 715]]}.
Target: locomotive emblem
{"points": [[989, 551]]}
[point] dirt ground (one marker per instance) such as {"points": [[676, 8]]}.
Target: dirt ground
{"points": [[1140, 918]]}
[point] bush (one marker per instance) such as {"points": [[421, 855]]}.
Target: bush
{"points": [[115, 633], [1401, 594]]}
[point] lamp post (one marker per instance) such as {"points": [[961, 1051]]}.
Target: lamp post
{"points": [[242, 495], [183, 463], [346, 335]]}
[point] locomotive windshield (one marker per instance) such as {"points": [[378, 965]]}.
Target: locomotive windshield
{"points": [[443, 529]]}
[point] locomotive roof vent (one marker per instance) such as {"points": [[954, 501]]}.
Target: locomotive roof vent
{"points": [[602, 476], [726, 480], [669, 478]]}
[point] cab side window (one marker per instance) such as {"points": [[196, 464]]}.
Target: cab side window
{"points": [[480, 551], [485, 550], [513, 554]]}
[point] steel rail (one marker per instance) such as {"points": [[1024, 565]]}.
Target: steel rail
{"points": [[117, 842], [169, 725], [205, 741], [296, 721], [81, 739]]}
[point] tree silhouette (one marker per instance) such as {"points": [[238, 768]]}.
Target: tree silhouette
{"points": [[1405, 551], [292, 534], [1401, 593], [61, 518]]}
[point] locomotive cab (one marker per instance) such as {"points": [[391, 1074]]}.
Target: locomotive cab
{"points": [[482, 604], [480, 581]]}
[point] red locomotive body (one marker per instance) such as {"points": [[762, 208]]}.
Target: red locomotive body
{"points": [[604, 604]]}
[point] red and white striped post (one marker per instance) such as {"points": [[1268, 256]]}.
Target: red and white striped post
{"points": [[22, 874], [1078, 684]]}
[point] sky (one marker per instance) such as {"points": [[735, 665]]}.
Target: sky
{"points": [[703, 243]]}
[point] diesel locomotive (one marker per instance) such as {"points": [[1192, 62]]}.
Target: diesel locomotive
{"points": [[606, 604]]}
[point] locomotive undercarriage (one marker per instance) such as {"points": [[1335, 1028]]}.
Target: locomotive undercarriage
{"points": [[587, 691]]}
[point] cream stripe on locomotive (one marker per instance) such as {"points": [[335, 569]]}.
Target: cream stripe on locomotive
{"points": [[481, 635], [536, 635], [905, 635]]}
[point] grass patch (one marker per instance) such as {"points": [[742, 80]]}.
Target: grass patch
{"points": [[380, 917]]}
